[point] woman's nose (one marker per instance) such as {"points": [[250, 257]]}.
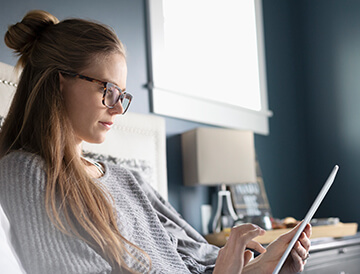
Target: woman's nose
{"points": [[117, 109]]}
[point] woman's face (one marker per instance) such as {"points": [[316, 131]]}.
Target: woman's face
{"points": [[91, 120]]}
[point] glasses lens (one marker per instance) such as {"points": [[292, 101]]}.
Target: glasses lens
{"points": [[125, 102], [114, 94]]}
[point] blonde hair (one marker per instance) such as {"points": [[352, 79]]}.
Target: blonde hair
{"points": [[37, 122]]}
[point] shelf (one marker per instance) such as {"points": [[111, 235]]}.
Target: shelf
{"points": [[333, 231]]}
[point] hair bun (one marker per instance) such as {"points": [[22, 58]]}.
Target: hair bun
{"points": [[21, 36]]}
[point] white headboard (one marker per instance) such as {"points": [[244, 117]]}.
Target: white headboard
{"points": [[8, 81], [138, 142]]}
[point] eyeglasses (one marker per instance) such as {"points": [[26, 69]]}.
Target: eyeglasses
{"points": [[112, 93]]}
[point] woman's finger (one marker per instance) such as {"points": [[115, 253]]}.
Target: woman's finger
{"points": [[308, 230], [297, 261], [300, 251], [244, 234], [244, 228], [305, 241], [247, 256], [256, 246]]}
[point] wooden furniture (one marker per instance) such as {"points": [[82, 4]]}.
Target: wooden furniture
{"points": [[333, 231]]}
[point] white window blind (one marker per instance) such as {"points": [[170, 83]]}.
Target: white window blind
{"points": [[208, 62]]}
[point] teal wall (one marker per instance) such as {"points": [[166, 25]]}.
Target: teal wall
{"points": [[312, 54], [332, 49]]}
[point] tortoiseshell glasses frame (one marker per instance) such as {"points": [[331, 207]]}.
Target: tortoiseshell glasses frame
{"points": [[111, 94]]}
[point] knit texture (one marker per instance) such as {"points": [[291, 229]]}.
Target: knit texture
{"points": [[143, 218]]}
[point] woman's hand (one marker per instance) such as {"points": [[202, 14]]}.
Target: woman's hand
{"points": [[300, 252], [234, 256], [266, 263]]}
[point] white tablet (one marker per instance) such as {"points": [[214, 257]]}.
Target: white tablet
{"points": [[308, 217]]}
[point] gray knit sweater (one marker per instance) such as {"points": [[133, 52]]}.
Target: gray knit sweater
{"points": [[144, 218]]}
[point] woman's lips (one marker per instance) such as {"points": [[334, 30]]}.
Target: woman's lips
{"points": [[107, 125]]}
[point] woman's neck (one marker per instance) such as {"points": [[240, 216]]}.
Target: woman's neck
{"points": [[93, 168]]}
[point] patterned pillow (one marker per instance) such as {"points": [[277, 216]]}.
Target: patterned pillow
{"points": [[143, 167]]}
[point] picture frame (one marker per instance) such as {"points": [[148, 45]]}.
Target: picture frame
{"points": [[250, 199]]}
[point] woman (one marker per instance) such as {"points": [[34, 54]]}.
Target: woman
{"points": [[72, 215]]}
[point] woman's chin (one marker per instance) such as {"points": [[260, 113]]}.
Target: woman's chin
{"points": [[96, 140]]}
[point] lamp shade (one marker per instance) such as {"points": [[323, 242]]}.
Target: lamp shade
{"points": [[213, 156]]}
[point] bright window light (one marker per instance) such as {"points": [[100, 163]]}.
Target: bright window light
{"points": [[209, 52]]}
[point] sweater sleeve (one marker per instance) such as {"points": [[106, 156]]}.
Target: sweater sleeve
{"points": [[198, 255], [41, 247]]}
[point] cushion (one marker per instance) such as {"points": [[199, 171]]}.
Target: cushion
{"points": [[143, 167]]}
